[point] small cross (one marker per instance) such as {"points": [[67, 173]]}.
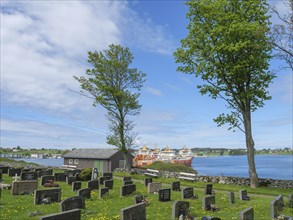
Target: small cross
{"points": [[16, 178]]}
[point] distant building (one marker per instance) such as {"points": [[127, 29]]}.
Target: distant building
{"points": [[105, 159]]}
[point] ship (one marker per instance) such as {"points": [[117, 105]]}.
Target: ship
{"points": [[147, 156]]}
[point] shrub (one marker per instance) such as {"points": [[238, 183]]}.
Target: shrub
{"points": [[159, 165], [86, 174]]}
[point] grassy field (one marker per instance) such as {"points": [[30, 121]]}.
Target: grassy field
{"points": [[19, 207]]}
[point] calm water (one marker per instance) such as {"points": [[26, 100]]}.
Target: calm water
{"points": [[267, 166], [272, 166]]}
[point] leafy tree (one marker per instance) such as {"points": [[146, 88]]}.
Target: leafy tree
{"points": [[113, 85], [229, 49], [283, 35]]}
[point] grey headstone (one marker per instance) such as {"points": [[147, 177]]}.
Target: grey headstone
{"points": [[110, 175], [290, 201], [175, 186], [208, 201], [24, 187], [45, 172], [247, 214], [276, 206], [104, 192], [147, 181], [74, 214], [76, 186], [13, 171], [126, 178], [70, 179], [84, 192], [154, 187], [54, 195], [75, 202], [1, 175], [164, 195], [127, 182], [103, 178], [109, 184], [209, 189], [180, 208], [60, 177], [4, 169], [134, 212], [187, 193], [127, 190], [95, 174], [46, 179], [28, 176], [93, 184], [138, 198], [231, 197], [243, 195]]}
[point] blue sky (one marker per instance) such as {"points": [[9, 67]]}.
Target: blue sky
{"points": [[45, 43]]}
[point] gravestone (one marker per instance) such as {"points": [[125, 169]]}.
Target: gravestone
{"points": [[138, 198], [126, 178], [231, 197], [187, 193], [109, 184], [104, 192], [84, 192], [175, 186], [208, 201], [70, 179], [69, 173], [24, 187], [209, 189], [13, 171], [147, 181], [180, 208], [75, 202], [4, 169], [164, 195], [154, 187], [76, 186], [276, 206], [127, 182], [60, 177], [134, 212], [95, 174], [290, 201], [247, 214], [28, 176], [54, 195], [45, 172], [1, 176], [16, 178], [127, 190], [46, 179], [93, 184], [103, 178], [74, 214], [110, 175], [243, 195]]}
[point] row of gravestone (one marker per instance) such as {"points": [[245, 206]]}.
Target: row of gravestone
{"points": [[277, 205]]}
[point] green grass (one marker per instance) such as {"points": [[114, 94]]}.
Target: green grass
{"points": [[18, 207], [159, 165]]}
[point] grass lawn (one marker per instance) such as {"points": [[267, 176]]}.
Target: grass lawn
{"points": [[18, 207]]}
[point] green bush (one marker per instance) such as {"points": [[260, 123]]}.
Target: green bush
{"points": [[159, 165], [86, 174]]}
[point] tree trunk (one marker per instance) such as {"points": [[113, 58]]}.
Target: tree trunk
{"points": [[127, 165], [250, 149]]}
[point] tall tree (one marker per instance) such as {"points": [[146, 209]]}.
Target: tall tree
{"points": [[229, 49], [282, 33], [115, 86]]}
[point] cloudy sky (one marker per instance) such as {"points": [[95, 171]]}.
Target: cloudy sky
{"points": [[45, 43]]}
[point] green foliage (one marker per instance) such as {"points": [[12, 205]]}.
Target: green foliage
{"points": [[86, 174], [112, 84], [161, 166]]}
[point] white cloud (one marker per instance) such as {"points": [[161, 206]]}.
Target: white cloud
{"points": [[154, 91]]}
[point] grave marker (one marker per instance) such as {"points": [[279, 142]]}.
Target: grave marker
{"points": [[147, 181], [103, 178], [95, 174], [231, 197], [70, 179], [243, 195], [46, 179], [76, 186], [164, 195], [187, 193], [127, 182], [134, 212], [138, 198], [209, 189], [75, 202], [93, 184], [104, 192], [175, 186], [110, 175], [13, 171], [45, 172], [29, 176], [74, 214], [60, 177], [84, 192], [154, 187], [180, 208], [126, 178], [208, 201], [290, 201], [247, 214], [109, 184], [54, 195], [24, 187], [127, 190]]}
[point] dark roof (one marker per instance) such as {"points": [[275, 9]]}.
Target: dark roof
{"points": [[101, 153]]}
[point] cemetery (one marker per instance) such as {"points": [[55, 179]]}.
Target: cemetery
{"points": [[120, 195]]}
